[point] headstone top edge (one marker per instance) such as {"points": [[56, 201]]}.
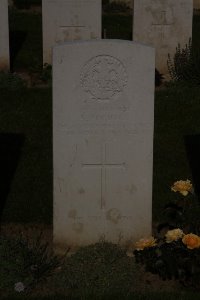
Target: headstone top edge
{"points": [[102, 41]]}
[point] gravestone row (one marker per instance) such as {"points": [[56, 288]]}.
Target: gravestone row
{"points": [[161, 24]]}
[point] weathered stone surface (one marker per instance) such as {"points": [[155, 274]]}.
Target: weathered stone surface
{"points": [[4, 36], [103, 106], [164, 25], [68, 20]]}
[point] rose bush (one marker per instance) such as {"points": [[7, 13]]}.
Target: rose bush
{"points": [[175, 253], [183, 210], [177, 256]]}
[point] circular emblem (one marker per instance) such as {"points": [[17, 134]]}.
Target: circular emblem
{"points": [[103, 77]]}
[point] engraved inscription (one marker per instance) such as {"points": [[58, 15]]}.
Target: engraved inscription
{"points": [[95, 128], [66, 33], [103, 77], [92, 116]]}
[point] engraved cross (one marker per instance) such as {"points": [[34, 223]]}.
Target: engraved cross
{"points": [[161, 22], [103, 165], [162, 19], [71, 26]]}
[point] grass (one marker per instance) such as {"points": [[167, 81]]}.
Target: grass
{"points": [[100, 271], [29, 113], [25, 261]]}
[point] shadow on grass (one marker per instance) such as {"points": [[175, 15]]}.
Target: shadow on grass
{"points": [[192, 144], [17, 38], [10, 149]]}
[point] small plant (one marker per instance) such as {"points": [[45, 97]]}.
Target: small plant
{"points": [[176, 255], [11, 81], [98, 271], [185, 66], [41, 74], [24, 263], [184, 211]]}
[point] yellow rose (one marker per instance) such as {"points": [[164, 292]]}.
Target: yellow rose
{"points": [[173, 235], [145, 243], [183, 187], [191, 241]]}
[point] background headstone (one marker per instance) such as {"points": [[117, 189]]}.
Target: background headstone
{"points": [[4, 36], [196, 4], [103, 95], [68, 20], [163, 24]]}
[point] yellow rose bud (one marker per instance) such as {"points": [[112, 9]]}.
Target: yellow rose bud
{"points": [[191, 241], [174, 235], [145, 243]]}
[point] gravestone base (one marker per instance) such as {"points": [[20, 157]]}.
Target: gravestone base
{"points": [[4, 64]]}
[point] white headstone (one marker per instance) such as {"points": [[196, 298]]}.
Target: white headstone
{"points": [[163, 24], [68, 20], [103, 106], [4, 36]]}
